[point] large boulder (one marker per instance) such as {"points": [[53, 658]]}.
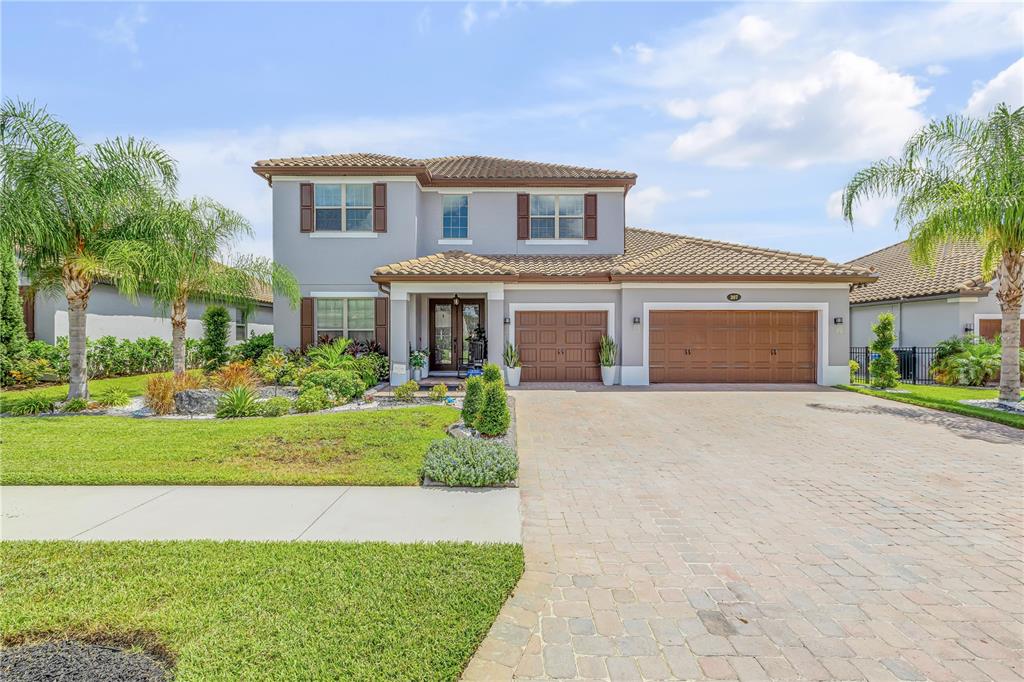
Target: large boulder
{"points": [[197, 401]]}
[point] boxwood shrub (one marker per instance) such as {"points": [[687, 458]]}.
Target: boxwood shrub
{"points": [[494, 417], [470, 462], [341, 384]]}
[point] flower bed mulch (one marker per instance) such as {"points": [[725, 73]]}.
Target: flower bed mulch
{"points": [[71, 660]]}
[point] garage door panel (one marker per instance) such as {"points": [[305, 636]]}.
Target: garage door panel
{"points": [[560, 345], [764, 346]]}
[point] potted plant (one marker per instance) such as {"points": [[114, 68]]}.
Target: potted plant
{"points": [[606, 355], [417, 360], [513, 369]]}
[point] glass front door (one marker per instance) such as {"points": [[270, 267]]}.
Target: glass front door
{"points": [[452, 327]]}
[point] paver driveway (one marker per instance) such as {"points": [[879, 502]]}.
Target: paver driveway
{"points": [[808, 534]]}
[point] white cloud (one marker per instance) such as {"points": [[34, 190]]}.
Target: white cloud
{"points": [[423, 21], [641, 204], [1007, 86], [644, 54], [869, 213], [936, 70], [842, 108], [759, 34], [469, 17], [123, 32], [702, 193], [684, 108]]}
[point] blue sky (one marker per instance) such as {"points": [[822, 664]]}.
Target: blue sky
{"points": [[742, 120]]}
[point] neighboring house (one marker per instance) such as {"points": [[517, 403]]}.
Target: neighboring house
{"points": [[929, 304], [111, 314], [422, 253]]}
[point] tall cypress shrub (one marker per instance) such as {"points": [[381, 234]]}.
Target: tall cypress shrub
{"points": [[12, 322], [884, 366], [214, 349]]}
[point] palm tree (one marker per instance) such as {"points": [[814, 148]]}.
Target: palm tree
{"points": [[72, 211], [963, 179], [195, 236]]}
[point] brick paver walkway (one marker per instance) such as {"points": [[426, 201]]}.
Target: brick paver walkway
{"points": [[762, 535]]}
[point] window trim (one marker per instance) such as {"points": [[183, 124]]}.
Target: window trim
{"points": [[558, 220], [241, 323], [346, 329], [344, 208], [446, 239]]}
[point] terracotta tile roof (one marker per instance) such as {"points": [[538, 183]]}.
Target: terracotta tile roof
{"points": [[957, 270], [445, 169], [648, 255]]}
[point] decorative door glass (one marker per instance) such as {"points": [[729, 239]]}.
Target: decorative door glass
{"points": [[470, 322], [442, 345]]}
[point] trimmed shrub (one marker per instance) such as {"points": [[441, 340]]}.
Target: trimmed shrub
{"points": [[113, 397], [884, 369], [380, 363], [439, 392], [253, 348], [491, 373], [494, 417], [406, 392], [367, 369], [240, 401], [340, 384], [29, 371], [214, 348], [233, 375], [275, 407], [160, 390], [75, 405], [32, 404], [12, 323], [854, 368], [470, 462], [312, 399], [473, 400]]}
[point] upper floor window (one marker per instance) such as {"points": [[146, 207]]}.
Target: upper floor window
{"points": [[556, 216], [455, 216], [345, 208], [351, 318]]}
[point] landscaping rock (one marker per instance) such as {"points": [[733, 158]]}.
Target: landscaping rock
{"points": [[266, 392], [996, 405], [197, 401], [70, 660]]}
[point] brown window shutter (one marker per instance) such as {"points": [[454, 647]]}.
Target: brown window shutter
{"points": [[522, 216], [28, 311], [306, 324], [380, 207], [590, 216], [380, 322], [306, 207]]}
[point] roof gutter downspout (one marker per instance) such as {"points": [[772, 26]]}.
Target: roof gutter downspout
{"points": [[899, 322]]}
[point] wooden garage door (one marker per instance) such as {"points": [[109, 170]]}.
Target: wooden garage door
{"points": [[560, 345], [990, 329], [733, 346]]}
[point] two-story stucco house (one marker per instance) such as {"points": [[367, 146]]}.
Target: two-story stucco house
{"points": [[423, 253]]}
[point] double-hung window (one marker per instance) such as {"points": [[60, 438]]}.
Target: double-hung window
{"points": [[351, 318], [556, 216], [241, 324], [455, 218], [343, 208]]}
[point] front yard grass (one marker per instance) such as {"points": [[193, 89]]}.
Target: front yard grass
{"points": [[132, 385], [265, 610], [380, 447], [946, 398]]}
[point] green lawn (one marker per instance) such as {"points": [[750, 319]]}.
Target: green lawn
{"points": [[265, 611], [133, 386], [946, 398], [381, 447]]}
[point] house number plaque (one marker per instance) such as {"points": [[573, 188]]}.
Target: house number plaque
{"points": [[733, 297]]}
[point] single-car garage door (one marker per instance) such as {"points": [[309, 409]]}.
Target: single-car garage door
{"points": [[560, 345], [733, 346]]}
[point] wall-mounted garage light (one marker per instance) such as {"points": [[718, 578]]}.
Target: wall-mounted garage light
{"points": [[636, 320], [508, 320], [969, 328], [837, 320]]}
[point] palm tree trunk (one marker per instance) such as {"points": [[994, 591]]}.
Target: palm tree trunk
{"points": [[1011, 291], [77, 288], [179, 318]]}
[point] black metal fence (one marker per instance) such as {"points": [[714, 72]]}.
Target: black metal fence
{"points": [[915, 363]]}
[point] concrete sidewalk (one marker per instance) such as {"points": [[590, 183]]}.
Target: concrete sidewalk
{"points": [[392, 514]]}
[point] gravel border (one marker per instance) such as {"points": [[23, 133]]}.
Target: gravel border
{"points": [[996, 405]]}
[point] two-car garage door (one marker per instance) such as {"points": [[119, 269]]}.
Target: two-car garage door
{"points": [[733, 346]]}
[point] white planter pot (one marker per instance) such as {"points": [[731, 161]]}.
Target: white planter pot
{"points": [[608, 376], [417, 373], [512, 375]]}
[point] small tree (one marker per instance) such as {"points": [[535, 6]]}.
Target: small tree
{"points": [[473, 400], [494, 417], [12, 321], [214, 348], [884, 369]]}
